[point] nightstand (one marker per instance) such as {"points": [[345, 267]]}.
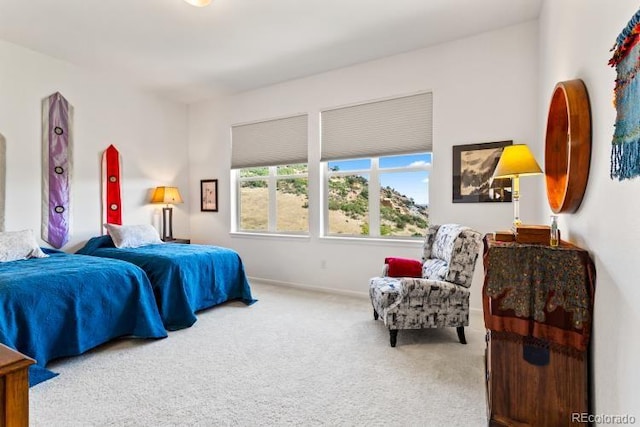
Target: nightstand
{"points": [[183, 241]]}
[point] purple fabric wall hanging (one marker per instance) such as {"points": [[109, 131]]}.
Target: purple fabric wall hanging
{"points": [[57, 155]]}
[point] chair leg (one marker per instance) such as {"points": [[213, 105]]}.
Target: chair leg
{"points": [[460, 330], [375, 314], [393, 336]]}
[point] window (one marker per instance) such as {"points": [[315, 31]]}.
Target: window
{"points": [[273, 199], [270, 163], [375, 162], [378, 197], [384, 191]]}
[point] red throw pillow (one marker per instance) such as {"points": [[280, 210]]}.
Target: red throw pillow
{"points": [[403, 267]]}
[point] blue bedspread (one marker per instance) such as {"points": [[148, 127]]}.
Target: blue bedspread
{"points": [[185, 278], [64, 305]]}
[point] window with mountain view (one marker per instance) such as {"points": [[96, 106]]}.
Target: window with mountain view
{"points": [[273, 199], [380, 190], [379, 196]]}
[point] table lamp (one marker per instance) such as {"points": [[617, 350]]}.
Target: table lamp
{"points": [[168, 195], [516, 161]]}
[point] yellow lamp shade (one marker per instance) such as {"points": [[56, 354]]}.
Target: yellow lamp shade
{"points": [[516, 160], [168, 195]]}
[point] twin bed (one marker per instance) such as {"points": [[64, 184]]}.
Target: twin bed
{"points": [[185, 278], [64, 305]]}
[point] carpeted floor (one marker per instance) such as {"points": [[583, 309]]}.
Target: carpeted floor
{"points": [[295, 357]]}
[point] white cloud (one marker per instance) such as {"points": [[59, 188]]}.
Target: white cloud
{"points": [[426, 180], [419, 163]]}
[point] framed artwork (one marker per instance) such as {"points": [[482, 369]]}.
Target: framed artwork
{"points": [[209, 195], [473, 166]]}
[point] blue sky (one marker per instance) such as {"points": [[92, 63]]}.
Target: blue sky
{"points": [[411, 184], [385, 162]]}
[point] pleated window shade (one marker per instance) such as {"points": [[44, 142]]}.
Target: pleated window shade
{"points": [[270, 143], [394, 126]]}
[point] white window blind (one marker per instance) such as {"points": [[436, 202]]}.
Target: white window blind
{"points": [[269, 143], [393, 126]]}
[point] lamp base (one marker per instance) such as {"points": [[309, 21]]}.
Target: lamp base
{"points": [[167, 223]]}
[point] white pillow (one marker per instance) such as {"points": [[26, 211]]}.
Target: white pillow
{"points": [[15, 245], [133, 236]]}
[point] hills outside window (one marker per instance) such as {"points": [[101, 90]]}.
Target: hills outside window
{"points": [[273, 199], [379, 196]]}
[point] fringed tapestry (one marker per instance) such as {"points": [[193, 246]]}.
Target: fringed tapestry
{"points": [[111, 200], [57, 162], [625, 152]]}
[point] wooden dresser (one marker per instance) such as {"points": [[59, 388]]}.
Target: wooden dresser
{"points": [[538, 310], [14, 388]]}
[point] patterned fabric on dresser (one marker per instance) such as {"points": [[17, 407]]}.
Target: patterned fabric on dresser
{"points": [[441, 297], [406, 303]]}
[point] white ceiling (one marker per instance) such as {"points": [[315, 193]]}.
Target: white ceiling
{"points": [[187, 53]]}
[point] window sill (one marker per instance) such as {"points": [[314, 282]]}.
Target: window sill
{"points": [[350, 240], [411, 243], [280, 236]]}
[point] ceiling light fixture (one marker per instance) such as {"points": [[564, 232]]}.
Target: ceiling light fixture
{"points": [[198, 3]]}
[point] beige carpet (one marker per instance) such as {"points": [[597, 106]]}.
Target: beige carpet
{"points": [[294, 358]]}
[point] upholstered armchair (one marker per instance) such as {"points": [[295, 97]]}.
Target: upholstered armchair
{"points": [[438, 293]]}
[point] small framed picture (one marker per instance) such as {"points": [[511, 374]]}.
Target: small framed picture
{"points": [[473, 166], [209, 195]]}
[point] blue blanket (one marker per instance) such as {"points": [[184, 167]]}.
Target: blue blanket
{"points": [[64, 305], [185, 278]]}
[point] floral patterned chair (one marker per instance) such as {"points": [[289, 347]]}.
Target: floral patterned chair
{"points": [[438, 293]]}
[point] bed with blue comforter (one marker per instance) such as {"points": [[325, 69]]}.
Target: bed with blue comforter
{"points": [[185, 278], [65, 304]]}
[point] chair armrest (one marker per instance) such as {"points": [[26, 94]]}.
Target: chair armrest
{"points": [[414, 287]]}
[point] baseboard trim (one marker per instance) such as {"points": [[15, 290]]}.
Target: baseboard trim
{"points": [[326, 290], [311, 288]]}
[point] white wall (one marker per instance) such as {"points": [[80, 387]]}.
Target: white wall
{"points": [[485, 89], [150, 133], [575, 38]]}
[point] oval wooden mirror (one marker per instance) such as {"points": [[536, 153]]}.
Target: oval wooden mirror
{"points": [[567, 146]]}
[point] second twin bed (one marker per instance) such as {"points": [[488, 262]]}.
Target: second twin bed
{"points": [[184, 278]]}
